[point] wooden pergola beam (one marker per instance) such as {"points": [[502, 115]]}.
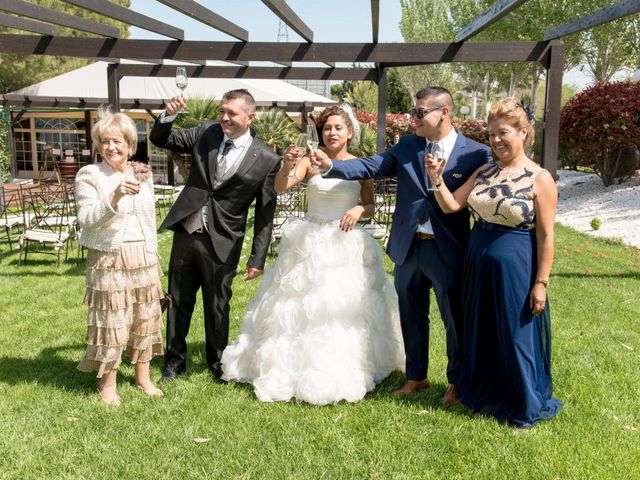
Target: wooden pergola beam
{"points": [[17, 102], [204, 15], [380, 53], [375, 19], [27, 25], [599, 17], [288, 16], [281, 73], [129, 17], [36, 12], [494, 13]]}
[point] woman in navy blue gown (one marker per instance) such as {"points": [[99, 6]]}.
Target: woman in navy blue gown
{"points": [[506, 367]]}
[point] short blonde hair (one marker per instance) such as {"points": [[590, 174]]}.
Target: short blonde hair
{"points": [[118, 123], [511, 111]]}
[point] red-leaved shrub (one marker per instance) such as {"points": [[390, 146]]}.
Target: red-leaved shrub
{"points": [[600, 128]]}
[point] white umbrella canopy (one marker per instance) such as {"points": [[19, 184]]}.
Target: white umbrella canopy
{"points": [[91, 82]]}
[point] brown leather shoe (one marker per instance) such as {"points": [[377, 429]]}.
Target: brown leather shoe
{"points": [[411, 386], [450, 397]]}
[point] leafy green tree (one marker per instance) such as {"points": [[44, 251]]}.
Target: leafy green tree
{"points": [[398, 98], [607, 48], [339, 91], [18, 71], [426, 21]]}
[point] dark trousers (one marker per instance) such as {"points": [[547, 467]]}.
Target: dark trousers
{"points": [[422, 270], [193, 265]]}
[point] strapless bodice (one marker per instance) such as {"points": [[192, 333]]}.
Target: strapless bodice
{"points": [[329, 198]]}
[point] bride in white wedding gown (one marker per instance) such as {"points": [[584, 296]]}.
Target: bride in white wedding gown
{"points": [[324, 325]]}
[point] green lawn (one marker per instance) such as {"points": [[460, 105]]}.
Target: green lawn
{"points": [[54, 425]]}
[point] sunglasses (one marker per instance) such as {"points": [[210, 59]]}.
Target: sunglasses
{"points": [[423, 112]]}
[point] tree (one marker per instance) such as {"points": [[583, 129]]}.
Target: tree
{"points": [[398, 98], [18, 71], [426, 21], [339, 91], [608, 48]]}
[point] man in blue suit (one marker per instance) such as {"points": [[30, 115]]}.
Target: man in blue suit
{"points": [[426, 245]]}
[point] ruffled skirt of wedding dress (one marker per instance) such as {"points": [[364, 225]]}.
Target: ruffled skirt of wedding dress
{"points": [[324, 325]]}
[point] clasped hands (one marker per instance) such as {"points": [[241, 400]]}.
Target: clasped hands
{"points": [[318, 159]]}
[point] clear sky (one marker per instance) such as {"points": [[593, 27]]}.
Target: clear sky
{"points": [[330, 21]]}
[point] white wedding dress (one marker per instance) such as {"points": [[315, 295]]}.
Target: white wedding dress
{"points": [[324, 325]]}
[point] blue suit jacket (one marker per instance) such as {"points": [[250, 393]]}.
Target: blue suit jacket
{"points": [[405, 160]]}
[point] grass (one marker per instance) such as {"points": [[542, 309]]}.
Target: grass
{"points": [[54, 425]]}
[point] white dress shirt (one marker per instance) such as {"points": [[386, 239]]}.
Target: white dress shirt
{"points": [[447, 143]]}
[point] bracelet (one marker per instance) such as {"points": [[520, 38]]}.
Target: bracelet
{"points": [[437, 185], [543, 282]]}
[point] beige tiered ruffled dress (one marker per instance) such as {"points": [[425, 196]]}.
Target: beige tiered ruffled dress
{"points": [[123, 296]]}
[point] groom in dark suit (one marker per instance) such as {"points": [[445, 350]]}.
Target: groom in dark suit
{"points": [[230, 168], [426, 245]]}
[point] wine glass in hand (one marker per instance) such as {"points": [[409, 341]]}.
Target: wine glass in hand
{"points": [[134, 175], [437, 152], [181, 82], [312, 139], [300, 150]]}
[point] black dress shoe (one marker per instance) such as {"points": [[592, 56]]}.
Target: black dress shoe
{"points": [[170, 374], [216, 371]]}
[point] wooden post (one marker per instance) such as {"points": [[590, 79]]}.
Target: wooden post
{"points": [[304, 121], [554, 62], [382, 108], [113, 86]]}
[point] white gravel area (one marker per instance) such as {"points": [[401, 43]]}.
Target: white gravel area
{"points": [[582, 196]]}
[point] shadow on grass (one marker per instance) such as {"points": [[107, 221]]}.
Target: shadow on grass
{"points": [[430, 398], [47, 368], [27, 269]]}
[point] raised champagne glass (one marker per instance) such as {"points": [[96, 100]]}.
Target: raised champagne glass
{"points": [[312, 137], [181, 82], [437, 152], [301, 149]]}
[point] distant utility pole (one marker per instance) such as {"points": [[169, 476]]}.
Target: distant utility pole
{"points": [[283, 32]]}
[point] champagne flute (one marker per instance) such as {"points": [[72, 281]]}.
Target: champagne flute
{"points": [[312, 140], [301, 149], [312, 137], [181, 82], [134, 174], [437, 152]]}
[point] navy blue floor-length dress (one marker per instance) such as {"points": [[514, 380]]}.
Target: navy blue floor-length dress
{"points": [[506, 368]]}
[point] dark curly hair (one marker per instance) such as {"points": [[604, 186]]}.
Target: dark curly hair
{"points": [[331, 111]]}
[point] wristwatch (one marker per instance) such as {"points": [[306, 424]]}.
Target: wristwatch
{"points": [[543, 282]]}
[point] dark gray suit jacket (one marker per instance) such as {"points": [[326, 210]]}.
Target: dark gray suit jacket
{"points": [[229, 202]]}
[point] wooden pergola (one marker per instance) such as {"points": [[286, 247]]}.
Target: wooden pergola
{"points": [[106, 44]]}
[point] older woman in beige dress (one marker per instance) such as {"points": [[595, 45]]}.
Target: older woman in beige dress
{"points": [[116, 211]]}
